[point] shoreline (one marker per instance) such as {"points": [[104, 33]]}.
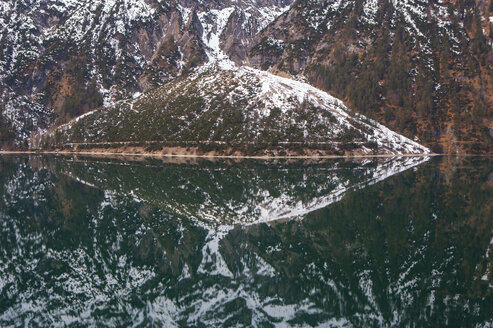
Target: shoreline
{"points": [[261, 157]]}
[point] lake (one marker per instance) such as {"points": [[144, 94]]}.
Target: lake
{"points": [[96, 242]]}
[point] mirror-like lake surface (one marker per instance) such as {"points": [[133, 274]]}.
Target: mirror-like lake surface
{"points": [[196, 243]]}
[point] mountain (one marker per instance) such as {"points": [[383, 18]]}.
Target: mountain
{"points": [[62, 58], [232, 111], [422, 68]]}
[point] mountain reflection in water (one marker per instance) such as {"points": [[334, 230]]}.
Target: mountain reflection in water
{"points": [[112, 242]]}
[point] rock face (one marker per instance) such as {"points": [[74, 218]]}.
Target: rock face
{"points": [[68, 57], [239, 108], [423, 68]]}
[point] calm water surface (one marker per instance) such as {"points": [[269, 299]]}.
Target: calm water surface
{"points": [[334, 243]]}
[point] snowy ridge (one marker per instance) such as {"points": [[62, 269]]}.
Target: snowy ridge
{"points": [[276, 92]]}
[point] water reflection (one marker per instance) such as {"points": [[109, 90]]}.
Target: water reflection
{"points": [[117, 243], [245, 192]]}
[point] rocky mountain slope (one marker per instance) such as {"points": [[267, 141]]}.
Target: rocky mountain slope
{"points": [[423, 68], [61, 58], [229, 110]]}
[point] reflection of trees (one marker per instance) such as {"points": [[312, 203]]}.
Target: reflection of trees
{"points": [[244, 192], [407, 251], [412, 247]]}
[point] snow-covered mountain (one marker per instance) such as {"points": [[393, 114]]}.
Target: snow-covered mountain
{"points": [[236, 109], [68, 57], [420, 67]]}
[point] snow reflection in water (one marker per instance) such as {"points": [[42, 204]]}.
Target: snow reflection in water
{"points": [[110, 242]]}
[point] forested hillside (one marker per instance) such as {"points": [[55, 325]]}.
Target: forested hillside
{"points": [[423, 68]]}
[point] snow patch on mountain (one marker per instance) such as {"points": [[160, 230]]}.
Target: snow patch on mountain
{"points": [[369, 11], [214, 22], [213, 30], [269, 14]]}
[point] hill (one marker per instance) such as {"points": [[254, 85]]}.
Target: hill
{"points": [[234, 111]]}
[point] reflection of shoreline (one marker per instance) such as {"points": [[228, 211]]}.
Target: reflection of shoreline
{"points": [[107, 154], [195, 160]]}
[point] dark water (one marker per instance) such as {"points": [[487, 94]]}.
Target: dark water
{"points": [[146, 243]]}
